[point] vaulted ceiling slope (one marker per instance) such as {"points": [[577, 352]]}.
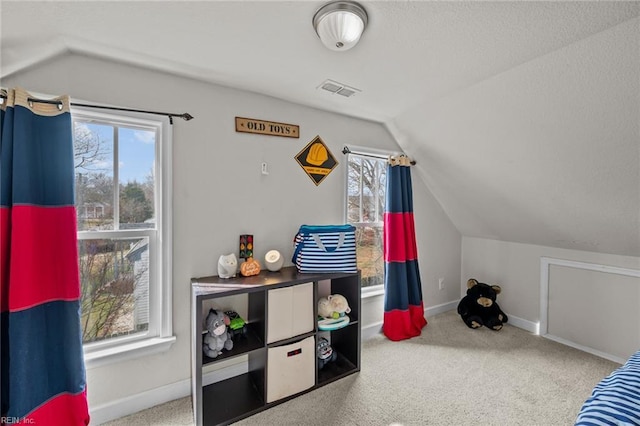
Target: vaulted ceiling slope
{"points": [[523, 116]]}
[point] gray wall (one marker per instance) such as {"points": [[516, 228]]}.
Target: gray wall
{"points": [[220, 193], [594, 309], [516, 267]]}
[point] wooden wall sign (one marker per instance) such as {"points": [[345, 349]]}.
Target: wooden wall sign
{"points": [[271, 128], [316, 160]]}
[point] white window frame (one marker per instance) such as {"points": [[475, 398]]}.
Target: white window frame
{"points": [[159, 336], [363, 152]]}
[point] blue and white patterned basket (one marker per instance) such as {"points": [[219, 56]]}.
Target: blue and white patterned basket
{"points": [[325, 248]]}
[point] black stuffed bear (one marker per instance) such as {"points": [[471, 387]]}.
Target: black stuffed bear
{"points": [[479, 306]]}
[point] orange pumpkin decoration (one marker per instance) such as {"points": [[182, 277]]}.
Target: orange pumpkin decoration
{"points": [[250, 267]]}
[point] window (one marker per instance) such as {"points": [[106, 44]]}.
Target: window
{"points": [[366, 186], [122, 176]]}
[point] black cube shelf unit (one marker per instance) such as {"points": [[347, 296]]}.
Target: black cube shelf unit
{"points": [[230, 400]]}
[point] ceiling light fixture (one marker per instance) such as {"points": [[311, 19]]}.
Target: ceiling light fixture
{"points": [[340, 24]]}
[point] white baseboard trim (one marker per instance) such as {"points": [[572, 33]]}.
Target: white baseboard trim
{"points": [[438, 309], [141, 401], [132, 404], [585, 348], [370, 330], [530, 326]]}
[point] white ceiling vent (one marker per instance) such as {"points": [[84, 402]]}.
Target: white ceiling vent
{"points": [[338, 88]]}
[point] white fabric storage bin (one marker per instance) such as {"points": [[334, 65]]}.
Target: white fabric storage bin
{"points": [[291, 368], [289, 312]]}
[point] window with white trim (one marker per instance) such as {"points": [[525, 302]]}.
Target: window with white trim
{"points": [[122, 181], [366, 187]]}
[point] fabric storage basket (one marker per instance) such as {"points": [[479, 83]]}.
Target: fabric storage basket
{"points": [[325, 248], [291, 369], [289, 312]]}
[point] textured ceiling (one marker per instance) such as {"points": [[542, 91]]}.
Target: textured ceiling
{"points": [[523, 116]]}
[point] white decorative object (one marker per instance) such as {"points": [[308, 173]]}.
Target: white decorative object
{"points": [[324, 308], [339, 24], [227, 266], [273, 260]]}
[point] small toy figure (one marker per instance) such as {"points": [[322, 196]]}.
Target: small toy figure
{"points": [[325, 353], [246, 246], [227, 266], [250, 267], [332, 312], [217, 337], [339, 305], [237, 326], [333, 306], [324, 308]]}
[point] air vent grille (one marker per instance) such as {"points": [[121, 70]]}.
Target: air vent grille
{"points": [[338, 88], [330, 87], [346, 92]]}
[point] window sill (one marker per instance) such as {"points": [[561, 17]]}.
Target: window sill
{"points": [[372, 291], [128, 351]]}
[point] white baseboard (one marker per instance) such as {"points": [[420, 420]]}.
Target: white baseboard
{"points": [[530, 326], [370, 330], [524, 324], [438, 309], [534, 327], [141, 401], [132, 404], [585, 349]]}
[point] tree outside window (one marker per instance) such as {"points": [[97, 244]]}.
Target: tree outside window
{"points": [[366, 185], [115, 205]]}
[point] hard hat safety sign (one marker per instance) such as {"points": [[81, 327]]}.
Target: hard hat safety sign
{"points": [[316, 160]]}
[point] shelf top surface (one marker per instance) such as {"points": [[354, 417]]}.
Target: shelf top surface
{"points": [[286, 276]]}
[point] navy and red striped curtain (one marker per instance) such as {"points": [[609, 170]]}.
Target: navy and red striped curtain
{"points": [[403, 306], [42, 375]]}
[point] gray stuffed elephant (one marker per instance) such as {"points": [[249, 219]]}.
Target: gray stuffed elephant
{"points": [[217, 337]]}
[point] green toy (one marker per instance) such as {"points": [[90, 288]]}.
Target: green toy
{"points": [[237, 326]]}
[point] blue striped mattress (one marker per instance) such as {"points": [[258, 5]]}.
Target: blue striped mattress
{"points": [[616, 399]]}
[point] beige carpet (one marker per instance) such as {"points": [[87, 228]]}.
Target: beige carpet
{"points": [[451, 375]]}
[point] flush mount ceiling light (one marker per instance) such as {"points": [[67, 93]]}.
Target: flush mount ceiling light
{"points": [[340, 24]]}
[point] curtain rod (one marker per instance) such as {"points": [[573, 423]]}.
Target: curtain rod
{"points": [[185, 116], [346, 151]]}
